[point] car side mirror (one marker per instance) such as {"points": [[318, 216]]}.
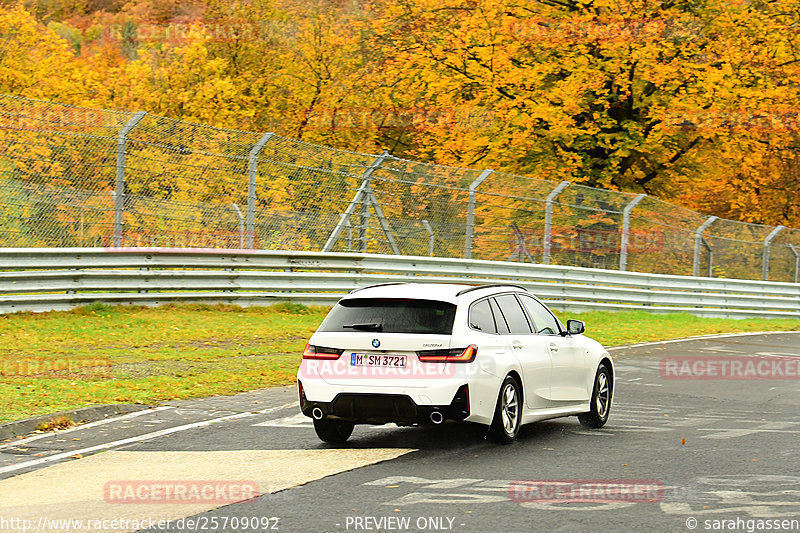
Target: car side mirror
{"points": [[575, 327]]}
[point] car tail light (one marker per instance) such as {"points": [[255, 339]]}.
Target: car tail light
{"points": [[454, 355], [321, 352]]}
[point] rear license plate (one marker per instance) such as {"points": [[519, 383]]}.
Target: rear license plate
{"points": [[364, 359]]}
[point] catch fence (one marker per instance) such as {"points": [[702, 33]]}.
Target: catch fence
{"points": [[79, 177]]}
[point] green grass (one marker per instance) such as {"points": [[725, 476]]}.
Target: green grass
{"points": [[103, 354], [631, 327]]}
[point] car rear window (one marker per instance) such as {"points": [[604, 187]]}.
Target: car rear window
{"points": [[391, 316]]}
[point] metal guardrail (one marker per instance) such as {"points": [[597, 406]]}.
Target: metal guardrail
{"points": [[40, 279]]}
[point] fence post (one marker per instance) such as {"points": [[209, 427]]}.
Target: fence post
{"points": [[765, 252], [710, 251], [363, 245], [520, 251], [626, 231], [362, 196], [796, 261], [698, 243], [387, 230], [471, 211], [119, 188], [548, 221], [252, 173], [431, 237]]}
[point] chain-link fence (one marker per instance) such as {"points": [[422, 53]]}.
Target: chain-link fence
{"points": [[72, 176]]}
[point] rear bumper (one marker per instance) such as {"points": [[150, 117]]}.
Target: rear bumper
{"points": [[375, 408]]}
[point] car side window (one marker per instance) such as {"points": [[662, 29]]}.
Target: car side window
{"points": [[543, 321], [515, 316], [481, 317], [502, 326]]}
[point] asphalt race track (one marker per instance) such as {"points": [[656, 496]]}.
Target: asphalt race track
{"points": [[723, 454]]}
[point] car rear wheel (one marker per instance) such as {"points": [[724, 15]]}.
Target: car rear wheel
{"points": [[600, 405], [508, 412], [333, 431]]}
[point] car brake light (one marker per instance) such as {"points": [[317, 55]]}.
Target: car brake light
{"points": [[455, 355], [321, 352]]}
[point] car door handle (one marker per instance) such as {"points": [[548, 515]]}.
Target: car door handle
{"points": [[553, 347], [516, 345]]}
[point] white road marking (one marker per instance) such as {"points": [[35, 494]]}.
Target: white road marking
{"points": [[770, 427], [613, 429], [444, 484], [456, 492], [699, 337], [85, 426], [446, 498], [132, 440], [573, 507], [302, 421], [296, 421]]}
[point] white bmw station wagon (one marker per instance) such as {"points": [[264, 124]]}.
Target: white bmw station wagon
{"points": [[415, 354]]}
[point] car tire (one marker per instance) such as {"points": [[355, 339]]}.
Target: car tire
{"points": [[600, 406], [507, 412], [333, 431]]}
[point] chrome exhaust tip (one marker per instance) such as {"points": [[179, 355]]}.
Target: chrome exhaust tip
{"points": [[436, 417], [316, 413]]}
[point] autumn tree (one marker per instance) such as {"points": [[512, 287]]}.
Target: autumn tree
{"points": [[599, 92], [34, 61]]}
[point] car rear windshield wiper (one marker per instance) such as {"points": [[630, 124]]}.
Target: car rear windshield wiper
{"points": [[375, 326]]}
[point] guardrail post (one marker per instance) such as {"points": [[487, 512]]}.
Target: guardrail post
{"points": [[241, 224], [431, 237], [473, 187], [252, 174], [765, 252], [119, 188], [626, 231], [362, 196], [796, 261], [547, 240], [698, 243]]}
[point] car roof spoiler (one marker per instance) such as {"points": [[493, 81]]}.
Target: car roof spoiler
{"points": [[377, 285], [493, 285]]}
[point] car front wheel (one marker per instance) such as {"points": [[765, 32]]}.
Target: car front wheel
{"points": [[508, 412], [601, 400], [333, 431]]}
